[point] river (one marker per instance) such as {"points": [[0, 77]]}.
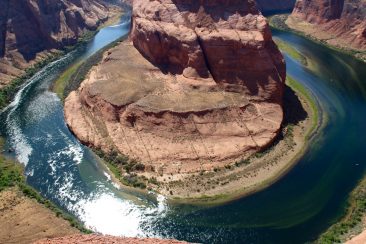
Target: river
{"points": [[296, 209]]}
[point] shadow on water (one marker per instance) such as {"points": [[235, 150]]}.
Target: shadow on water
{"points": [[294, 111]]}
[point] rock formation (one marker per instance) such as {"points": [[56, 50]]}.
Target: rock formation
{"points": [[198, 85], [273, 6], [28, 27], [339, 22]]}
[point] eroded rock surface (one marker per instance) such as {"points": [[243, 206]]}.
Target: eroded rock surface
{"points": [[199, 86], [340, 22], [28, 27]]}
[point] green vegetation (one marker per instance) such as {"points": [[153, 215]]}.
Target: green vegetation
{"points": [[242, 162], [291, 51], [71, 79], [278, 22], [118, 164], [12, 175], [7, 93], [299, 88], [61, 82], [356, 210]]}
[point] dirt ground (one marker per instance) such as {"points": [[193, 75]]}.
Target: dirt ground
{"points": [[23, 220]]}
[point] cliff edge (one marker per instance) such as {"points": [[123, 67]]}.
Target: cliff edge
{"points": [[198, 86]]}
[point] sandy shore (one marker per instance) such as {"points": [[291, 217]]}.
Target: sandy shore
{"points": [[23, 220], [361, 238]]}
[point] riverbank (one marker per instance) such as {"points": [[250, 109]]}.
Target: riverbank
{"points": [[25, 216], [352, 226], [72, 77], [283, 22]]}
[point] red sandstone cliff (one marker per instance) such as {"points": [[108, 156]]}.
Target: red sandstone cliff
{"points": [[199, 87], [28, 27], [227, 41], [339, 22]]}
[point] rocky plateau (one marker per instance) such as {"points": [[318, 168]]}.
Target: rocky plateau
{"points": [[198, 85]]}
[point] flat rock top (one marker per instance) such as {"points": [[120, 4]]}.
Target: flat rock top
{"points": [[125, 77]]}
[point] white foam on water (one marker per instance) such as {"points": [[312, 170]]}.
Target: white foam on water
{"points": [[162, 205], [41, 106], [115, 26], [30, 173], [110, 215], [22, 148], [66, 191], [107, 175], [118, 187], [18, 96], [56, 159], [76, 152]]}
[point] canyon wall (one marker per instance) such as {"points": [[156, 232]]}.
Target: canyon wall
{"points": [[227, 41], [28, 27], [338, 22], [199, 85]]}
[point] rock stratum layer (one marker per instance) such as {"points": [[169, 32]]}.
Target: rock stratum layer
{"points": [[340, 22], [28, 27], [199, 85]]}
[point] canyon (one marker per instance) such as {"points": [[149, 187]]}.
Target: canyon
{"points": [[338, 23], [197, 86], [32, 30]]}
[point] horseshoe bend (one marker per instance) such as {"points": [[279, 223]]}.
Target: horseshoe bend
{"points": [[197, 87]]}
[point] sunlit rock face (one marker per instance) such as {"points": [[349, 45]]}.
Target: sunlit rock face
{"points": [[344, 20], [28, 27], [228, 41], [199, 85]]}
